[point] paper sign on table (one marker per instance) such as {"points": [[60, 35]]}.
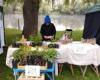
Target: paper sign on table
{"points": [[31, 70]]}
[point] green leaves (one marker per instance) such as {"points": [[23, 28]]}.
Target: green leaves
{"points": [[34, 38], [24, 52], [50, 54]]}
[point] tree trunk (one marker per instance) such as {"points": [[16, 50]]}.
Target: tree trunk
{"points": [[30, 14]]}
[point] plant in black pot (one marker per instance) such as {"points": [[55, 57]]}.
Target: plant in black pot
{"points": [[53, 45], [36, 40], [42, 56], [27, 55], [21, 54], [14, 42], [50, 54], [34, 55]]}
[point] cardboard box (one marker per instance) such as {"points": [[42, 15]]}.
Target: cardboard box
{"points": [[23, 77], [41, 67]]}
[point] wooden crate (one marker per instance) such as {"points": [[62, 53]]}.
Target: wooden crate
{"points": [[23, 77], [41, 67]]}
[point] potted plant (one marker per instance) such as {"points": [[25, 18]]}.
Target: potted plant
{"points": [[21, 54], [36, 40], [14, 44], [50, 54], [34, 55], [17, 42]]}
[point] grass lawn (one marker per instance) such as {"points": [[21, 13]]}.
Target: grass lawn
{"points": [[6, 73]]}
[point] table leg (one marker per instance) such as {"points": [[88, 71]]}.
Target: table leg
{"points": [[60, 66], [15, 75], [53, 76], [56, 68], [83, 70], [97, 72], [95, 69], [72, 70]]}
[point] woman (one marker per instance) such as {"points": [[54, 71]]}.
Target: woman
{"points": [[48, 30]]}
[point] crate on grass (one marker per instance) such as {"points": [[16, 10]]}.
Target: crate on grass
{"points": [[23, 77]]}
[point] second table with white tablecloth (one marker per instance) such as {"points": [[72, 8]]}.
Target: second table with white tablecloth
{"points": [[78, 53]]}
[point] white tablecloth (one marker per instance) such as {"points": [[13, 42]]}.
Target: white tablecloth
{"points": [[9, 56], [78, 53]]}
